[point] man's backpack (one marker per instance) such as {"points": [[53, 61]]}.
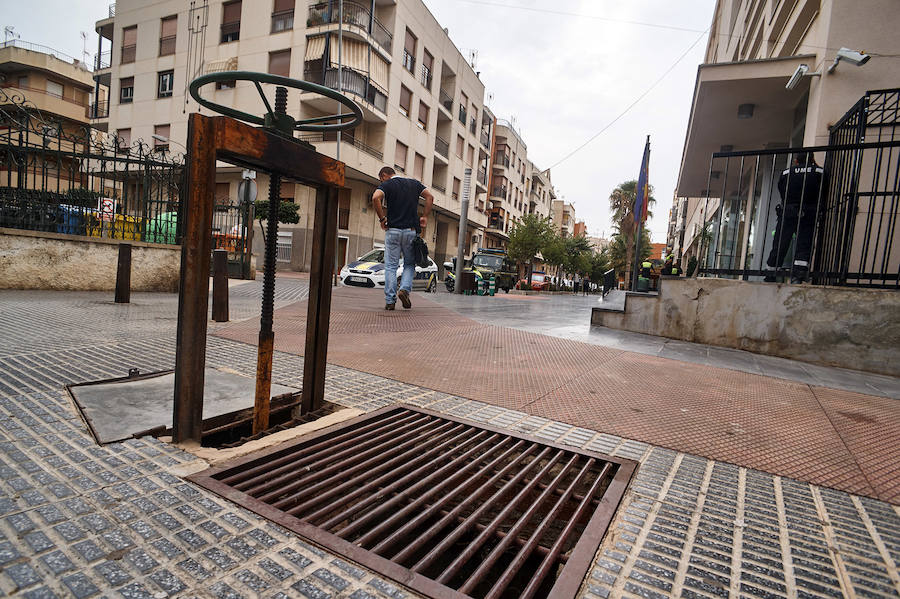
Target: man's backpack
{"points": [[420, 251]]}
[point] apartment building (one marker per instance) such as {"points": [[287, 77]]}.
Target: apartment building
{"points": [[742, 101], [540, 199], [563, 218], [422, 103]]}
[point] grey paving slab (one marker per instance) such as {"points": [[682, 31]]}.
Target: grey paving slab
{"points": [[117, 410]]}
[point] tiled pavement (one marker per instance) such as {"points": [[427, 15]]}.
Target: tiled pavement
{"points": [[77, 520], [835, 438]]}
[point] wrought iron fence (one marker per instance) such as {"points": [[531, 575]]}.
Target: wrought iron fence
{"points": [[840, 228], [357, 15], [65, 177]]}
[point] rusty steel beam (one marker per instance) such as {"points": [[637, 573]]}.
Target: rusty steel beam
{"points": [[319, 307], [123, 274], [193, 294]]}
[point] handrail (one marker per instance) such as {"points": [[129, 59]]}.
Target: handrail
{"points": [[46, 93], [43, 50]]}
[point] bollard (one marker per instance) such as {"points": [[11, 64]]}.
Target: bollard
{"points": [[493, 286], [220, 286], [123, 274]]}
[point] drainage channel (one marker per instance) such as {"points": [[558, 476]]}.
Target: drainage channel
{"points": [[447, 507]]}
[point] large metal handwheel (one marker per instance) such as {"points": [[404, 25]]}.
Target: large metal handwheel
{"points": [[274, 119]]}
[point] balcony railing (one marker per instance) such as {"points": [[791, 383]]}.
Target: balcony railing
{"points": [[167, 45], [38, 90], [345, 138], [486, 139], [98, 110], [482, 176], [446, 101], [501, 160], [356, 15], [426, 77], [409, 61], [462, 114], [102, 60], [112, 10], [439, 187], [352, 81], [128, 53], [282, 21], [495, 222], [499, 192], [441, 147]]}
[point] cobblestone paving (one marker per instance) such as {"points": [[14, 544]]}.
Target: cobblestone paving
{"points": [[78, 520]]}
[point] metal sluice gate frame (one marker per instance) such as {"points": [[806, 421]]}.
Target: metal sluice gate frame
{"points": [[444, 506]]}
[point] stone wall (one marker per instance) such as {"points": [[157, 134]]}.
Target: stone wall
{"points": [[850, 328], [37, 260]]}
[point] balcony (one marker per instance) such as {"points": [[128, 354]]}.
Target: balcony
{"points": [[482, 176], [486, 139], [499, 191], [128, 54], [501, 160], [102, 60], [98, 110], [282, 21], [446, 101], [441, 147], [355, 15], [315, 137], [353, 82], [495, 221], [439, 187]]}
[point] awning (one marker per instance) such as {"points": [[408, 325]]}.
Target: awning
{"points": [[315, 47], [719, 90]]}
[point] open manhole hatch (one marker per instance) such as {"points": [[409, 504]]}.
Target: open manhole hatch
{"points": [[446, 507]]}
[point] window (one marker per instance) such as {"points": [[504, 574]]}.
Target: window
{"points": [[463, 104], [167, 33], [459, 146], [166, 83], [280, 63], [419, 166], [231, 22], [286, 192], [129, 44], [400, 157], [427, 69], [409, 52], [23, 82], [161, 138], [423, 115], [228, 84], [123, 138], [470, 157], [126, 90], [54, 88], [282, 15], [405, 100], [455, 191]]}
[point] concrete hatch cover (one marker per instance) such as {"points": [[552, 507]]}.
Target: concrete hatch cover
{"points": [[117, 409], [447, 507]]}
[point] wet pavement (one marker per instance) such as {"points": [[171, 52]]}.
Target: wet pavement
{"points": [[80, 520]]}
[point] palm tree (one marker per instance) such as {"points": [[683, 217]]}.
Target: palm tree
{"points": [[621, 207]]}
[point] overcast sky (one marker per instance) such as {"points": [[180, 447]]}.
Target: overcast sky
{"points": [[564, 70]]}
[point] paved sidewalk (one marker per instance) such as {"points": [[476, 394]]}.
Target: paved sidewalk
{"points": [[835, 438], [78, 520]]}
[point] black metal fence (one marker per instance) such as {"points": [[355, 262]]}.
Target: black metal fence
{"points": [[840, 228]]}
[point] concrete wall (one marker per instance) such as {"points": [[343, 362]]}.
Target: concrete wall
{"points": [[850, 328], [34, 260]]}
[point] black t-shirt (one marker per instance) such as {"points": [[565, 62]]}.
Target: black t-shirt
{"points": [[402, 199]]}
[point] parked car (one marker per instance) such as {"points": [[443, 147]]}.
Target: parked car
{"points": [[368, 271], [539, 282]]}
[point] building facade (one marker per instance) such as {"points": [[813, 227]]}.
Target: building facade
{"points": [[563, 218], [422, 103], [771, 79]]}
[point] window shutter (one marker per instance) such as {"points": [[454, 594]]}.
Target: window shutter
{"points": [[423, 113], [283, 5], [231, 12], [410, 44], [419, 167], [280, 63], [129, 36], [169, 27], [405, 98], [400, 155]]}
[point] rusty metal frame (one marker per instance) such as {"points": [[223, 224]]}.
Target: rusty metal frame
{"points": [[226, 139], [566, 585]]}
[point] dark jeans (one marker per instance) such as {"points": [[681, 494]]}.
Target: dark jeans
{"points": [[785, 227]]}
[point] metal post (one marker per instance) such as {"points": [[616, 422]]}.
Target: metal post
{"points": [[193, 299], [123, 274], [637, 256], [220, 286], [461, 243], [266, 345]]}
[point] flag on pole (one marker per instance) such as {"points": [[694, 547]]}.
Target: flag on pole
{"points": [[642, 192]]}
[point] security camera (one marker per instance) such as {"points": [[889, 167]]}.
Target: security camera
{"points": [[852, 56], [802, 70]]}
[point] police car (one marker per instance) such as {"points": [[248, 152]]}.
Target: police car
{"points": [[368, 271]]}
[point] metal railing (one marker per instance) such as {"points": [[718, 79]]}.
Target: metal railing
{"points": [[315, 137], [230, 32], [482, 176], [352, 81], [42, 49], [486, 139], [499, 192], [357, 15], [283, 21], [472, 126], [102, 60], [501, 160], [446, 100], [840, 227], [60, 178], [439, 187], [426, 77], [98, 110], [112, 10], [441, 146]]}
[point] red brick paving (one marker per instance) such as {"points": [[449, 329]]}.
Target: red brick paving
{"points": [[833, 438]]}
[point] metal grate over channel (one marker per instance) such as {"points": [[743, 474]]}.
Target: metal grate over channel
{"points": [[444, 506]]}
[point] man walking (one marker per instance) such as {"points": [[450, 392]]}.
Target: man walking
{"points": [[800, 187], [400, 224]]}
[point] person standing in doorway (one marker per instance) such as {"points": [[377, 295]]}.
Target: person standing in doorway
{"points": [[802, 187], [399, 217]]}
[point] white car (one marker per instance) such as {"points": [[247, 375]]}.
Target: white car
{"points": [[368, 271]]}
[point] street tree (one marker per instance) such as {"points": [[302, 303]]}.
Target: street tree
{"points": [[526, 239], [554, 251], [288, 213]]}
